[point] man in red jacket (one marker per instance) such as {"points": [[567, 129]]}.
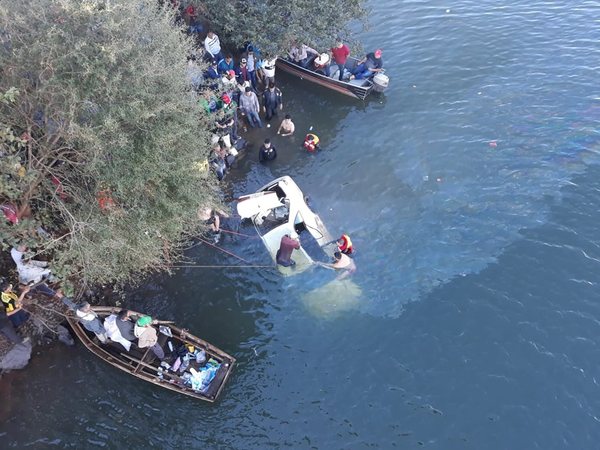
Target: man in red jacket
{"points": [[286, 247], [340, 54]]}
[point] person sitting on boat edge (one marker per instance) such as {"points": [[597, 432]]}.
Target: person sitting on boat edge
{"points": [[368, 66], [267, 151], [341, 262], [88, 318], [311, 143], [12, 304], [344, 244], [147, 336], [287, 126], [286, 248], [299, 54]]}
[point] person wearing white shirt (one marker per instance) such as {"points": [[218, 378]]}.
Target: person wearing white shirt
{"points": [[31, 271], [212, 44], [268, 68]]}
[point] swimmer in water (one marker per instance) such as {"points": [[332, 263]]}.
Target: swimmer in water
{"points": [[343, 263]]}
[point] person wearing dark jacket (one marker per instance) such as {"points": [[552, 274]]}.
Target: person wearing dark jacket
{"points": [[125, 325], [271, 101], [267, 151], [212, 72]]}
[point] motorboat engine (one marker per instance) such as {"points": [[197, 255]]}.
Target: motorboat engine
{"points": [[380, 82]]}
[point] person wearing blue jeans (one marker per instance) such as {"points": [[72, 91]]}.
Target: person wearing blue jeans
{"points": [[368, 66], [249, 104], [254, 119], [251, 64]]}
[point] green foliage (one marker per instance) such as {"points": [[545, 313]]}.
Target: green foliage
{"points": [[96, 95], [273, 24]]}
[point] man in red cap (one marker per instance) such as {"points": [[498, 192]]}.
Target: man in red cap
{"points": [[368, 66]]}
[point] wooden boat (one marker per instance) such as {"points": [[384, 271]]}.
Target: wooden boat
{"points": [[354, 88], [142, 363], [280, 208]]}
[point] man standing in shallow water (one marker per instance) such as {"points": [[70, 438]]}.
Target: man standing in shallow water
{"points": [[267, 151], [287, 126]]}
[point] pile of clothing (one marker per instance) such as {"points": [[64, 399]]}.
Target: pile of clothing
{"points": [[191, 362], [200, 379]]}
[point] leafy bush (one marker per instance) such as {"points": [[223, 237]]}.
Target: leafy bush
{"points": [[273, 24], [100, 135]]}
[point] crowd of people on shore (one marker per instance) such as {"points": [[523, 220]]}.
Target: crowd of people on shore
{"points": [[246, 89], [231, 89], [226, 88], [35, 278]]}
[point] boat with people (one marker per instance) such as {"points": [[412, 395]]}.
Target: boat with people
{"points": [[280, 208], [191, 366], [357, 88]]}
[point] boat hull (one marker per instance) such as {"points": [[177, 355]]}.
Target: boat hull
{"points": [[351, 89], [144, 366]]}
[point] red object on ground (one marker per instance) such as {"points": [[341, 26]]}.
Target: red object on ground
{"points": [[105, 201], [10, 212]]}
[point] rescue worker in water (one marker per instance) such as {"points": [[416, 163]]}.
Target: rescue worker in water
{"points": [[311, 143], [345, 244]]}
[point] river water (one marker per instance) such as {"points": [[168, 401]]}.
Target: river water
{"points": [[472, 193]]}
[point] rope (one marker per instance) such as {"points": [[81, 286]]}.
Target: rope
{"points": [[47, 309], [239, 234], [225, 251], [39, 319], [192, 266]]}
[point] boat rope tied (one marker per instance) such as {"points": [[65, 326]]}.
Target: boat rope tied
{"points": [[239, 234], [192, 266], [225, 251]]}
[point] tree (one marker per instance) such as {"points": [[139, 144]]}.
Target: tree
{"points": [[101, 137], [273, 24]]}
